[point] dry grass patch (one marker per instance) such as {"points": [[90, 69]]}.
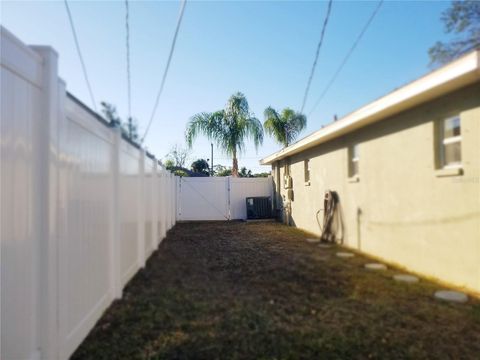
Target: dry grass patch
{"points": [[260, 291]]}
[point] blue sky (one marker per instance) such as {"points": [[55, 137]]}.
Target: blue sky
{"points": [[263, 49]]}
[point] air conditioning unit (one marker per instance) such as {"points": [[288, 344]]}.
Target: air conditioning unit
{"points": [[259, 207], [287, 182]]}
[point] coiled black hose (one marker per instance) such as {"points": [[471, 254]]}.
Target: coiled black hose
{"points": [[330, 203]]}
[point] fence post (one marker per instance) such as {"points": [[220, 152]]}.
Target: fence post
{"points": [[229, 214], [165, 202], [175, 200], [161, 204], [174, 193], [45, 203], [154, 199], [141, 210], [168, 198], [179, 199], [169, 204], [115, 272], [172, 199]]}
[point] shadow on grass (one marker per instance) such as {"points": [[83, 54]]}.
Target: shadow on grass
{"points": [[259, 291]]}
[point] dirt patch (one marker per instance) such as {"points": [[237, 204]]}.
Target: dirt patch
{"points": [[260, 291]]}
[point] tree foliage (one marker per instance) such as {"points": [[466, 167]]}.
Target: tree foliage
{"points": [[228, 128], [220, 170], [462, 19], [180, 172], [129, 129], [262, 174], [284, 127], [177, 156], [110, 112], [244, 172], [169, 164], [201, 166]]}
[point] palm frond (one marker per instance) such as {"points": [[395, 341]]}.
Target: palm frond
{"points": [[284, 127], [228, 128]]}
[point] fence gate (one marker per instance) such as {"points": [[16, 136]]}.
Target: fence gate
{"points": [[218, 198]]}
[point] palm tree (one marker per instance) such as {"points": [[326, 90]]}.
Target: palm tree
{"points": [[284, 127], [229, 128]]}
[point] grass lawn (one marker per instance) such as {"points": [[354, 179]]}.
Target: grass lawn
{"points": [[260, 291]]}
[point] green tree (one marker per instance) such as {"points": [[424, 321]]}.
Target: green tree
{"points": [[229, 128], [178, 156], [180, 172], [220, 170], [245, 173], [201, 166], [110, 112], [462, 18], [169, 164], [284, 127], [261, 175], [129, 129]]}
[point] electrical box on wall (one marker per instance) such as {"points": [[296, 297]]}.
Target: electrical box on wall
{"points": [[287, 182], [290, 194]]}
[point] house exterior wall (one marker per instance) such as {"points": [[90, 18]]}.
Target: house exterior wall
{"points": [[403, 208]]}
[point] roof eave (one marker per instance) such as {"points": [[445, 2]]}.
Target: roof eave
{"points": [[448, 78]]}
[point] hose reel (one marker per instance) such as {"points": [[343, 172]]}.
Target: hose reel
{"points": [[331, 213]]}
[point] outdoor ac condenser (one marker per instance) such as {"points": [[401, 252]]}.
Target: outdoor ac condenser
{"points": [[259, 207]]}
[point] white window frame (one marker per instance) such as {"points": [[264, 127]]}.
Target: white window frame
{"points": [[307, 171], [450, 140], [354, 158]]}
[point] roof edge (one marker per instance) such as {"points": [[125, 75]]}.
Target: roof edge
{"points": [[453, 76]]}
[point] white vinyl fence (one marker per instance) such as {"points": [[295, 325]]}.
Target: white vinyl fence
{"points": [[81, 209], [218, 198]]}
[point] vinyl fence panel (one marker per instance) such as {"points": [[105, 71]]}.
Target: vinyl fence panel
{"points": [[241, 188], [81, 208], [84, 223], [218, 198], [203, 198], [21, 114]]}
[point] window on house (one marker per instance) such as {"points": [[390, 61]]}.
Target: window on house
{"points": [[354, 158], [451, 143], [306, 169]]}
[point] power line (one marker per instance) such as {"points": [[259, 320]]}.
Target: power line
{"points": [[172, 48], [72, 26], [347, 56], [127, 43], [322, 34]]}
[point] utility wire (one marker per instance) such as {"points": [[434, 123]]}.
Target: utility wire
{"points": [[322, 34], [347, 56], [72, 26], [127, 41], [172, 48]]}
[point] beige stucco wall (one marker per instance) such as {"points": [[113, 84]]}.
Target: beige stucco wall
{"points": [[408, 214]]}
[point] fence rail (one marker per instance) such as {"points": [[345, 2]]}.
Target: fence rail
{"points": [[81, 208]]}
